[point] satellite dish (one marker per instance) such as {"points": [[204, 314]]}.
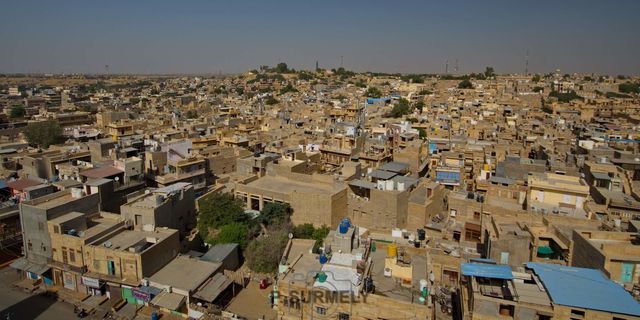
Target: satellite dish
{"points": [[117, 179], [290, 235]]}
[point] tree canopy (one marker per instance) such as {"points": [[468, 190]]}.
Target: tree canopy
{"points": [[275, 213], [263, 253], [465, 84], [288, 88], [281, 68], [17, 111], [629, 87], [565, 97], [234, 232], [402, 108], [489, 72], [217, 210], [43, 134], [373, 92]]}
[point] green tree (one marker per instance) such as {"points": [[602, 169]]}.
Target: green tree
{"points": [[360, 84], [535, 78], [17, 111], [425, 92], [282, 68], [373, 92], [43, 134], [305, 76], [275, 213], [629, 87], [308, 231], [401, 108], [263, 253], [422, 133], [288, 88], [419, 105], [303, 231], [465, 84], [565, 97], [489, 72], [319, 234], [217, 210], [234, 232]]}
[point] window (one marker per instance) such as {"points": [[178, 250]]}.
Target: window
{"points": [[476, 215], [56, 229], [343, 316], [544, 317], [72, 256], [577, 314], [321, 310], [507, 310], [65, 258]]}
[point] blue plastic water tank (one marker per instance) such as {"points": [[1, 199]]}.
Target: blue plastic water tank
{"points": [[323, 259], [343, 228]]}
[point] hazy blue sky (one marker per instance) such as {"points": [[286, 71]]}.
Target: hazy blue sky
{"points": [[392, 36]]}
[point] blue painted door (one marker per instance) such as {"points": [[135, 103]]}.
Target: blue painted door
{"points": [[626, 274]]}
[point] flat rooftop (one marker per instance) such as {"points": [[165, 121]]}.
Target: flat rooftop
{"points": [[131, 238], [390, 286], [284, 185], [53, 200], [185, 273]]}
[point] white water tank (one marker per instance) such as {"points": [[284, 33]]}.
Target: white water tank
{"points": [[401, 186], [389, 185], [76, 193]]}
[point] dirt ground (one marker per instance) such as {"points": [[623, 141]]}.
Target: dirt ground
{"points": [[252, 303]]}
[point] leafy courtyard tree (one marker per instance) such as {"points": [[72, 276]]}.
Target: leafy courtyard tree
{"points": [[217, 210], [263, 253], [43, 134], [234, 232], [275, 213]]}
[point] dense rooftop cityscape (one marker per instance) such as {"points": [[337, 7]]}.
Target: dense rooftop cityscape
{"points": [[322, 192]]}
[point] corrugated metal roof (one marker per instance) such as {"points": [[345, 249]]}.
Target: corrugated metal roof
{"points": [[381, 174], [584, 288], [101, 172], [487, 271]]}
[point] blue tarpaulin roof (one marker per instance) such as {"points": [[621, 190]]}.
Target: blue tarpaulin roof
{"points": [[584, 288], [484, 270]]}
